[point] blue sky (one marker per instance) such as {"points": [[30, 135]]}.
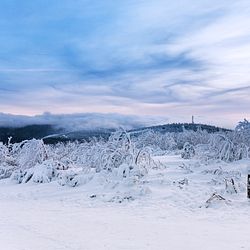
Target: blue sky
{"points": [[162, 59]]}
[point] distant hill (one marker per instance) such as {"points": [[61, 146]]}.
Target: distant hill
{"points": [[27, 132], [51, 134], [178, 127]]}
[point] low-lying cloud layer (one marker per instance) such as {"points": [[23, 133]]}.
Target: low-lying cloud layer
{"points": [[84, 121], [161, 58]]}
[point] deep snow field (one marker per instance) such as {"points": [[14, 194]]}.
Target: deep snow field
{"points": [[166, 210]]}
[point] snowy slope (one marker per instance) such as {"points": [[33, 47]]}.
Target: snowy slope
{"points": [[167, 210]]}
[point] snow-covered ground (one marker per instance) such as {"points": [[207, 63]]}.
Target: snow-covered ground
{"points": [[166, 210]]}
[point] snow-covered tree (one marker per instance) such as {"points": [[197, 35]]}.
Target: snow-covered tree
{"points": [[188, 151], [30, 153], [242, 133]]}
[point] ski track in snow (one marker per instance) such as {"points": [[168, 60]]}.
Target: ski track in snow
{"points": [[171, 216]]}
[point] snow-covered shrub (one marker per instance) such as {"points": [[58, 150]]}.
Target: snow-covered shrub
{"points": [[227, 150], [7, 160], [242, 133], [3, 153], [156, 141], [30, 153], [6, 171], [75, 176], [44, 172], [241, 151], [224, 147], [118, 150], [188, 151], [216, 200], [230, 186], [221, 147], [70, 154], [192, 137]]}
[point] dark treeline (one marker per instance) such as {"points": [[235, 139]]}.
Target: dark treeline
{"points": [[53, 135]]}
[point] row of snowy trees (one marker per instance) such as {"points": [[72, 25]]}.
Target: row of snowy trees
{"points": [[123, 155], [226, 146]]}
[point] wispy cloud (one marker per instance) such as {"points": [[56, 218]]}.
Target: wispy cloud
{"points": [[161, 58]]}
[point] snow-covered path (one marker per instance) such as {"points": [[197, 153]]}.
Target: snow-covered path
{"points": [[26, 225], [51, 217]]}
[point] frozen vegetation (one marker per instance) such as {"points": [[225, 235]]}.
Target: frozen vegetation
{"points": [[183, 190]]}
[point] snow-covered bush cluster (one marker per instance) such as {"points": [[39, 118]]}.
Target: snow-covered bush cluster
{"points": [[227, 146], [122, 157], [117, 160]]}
